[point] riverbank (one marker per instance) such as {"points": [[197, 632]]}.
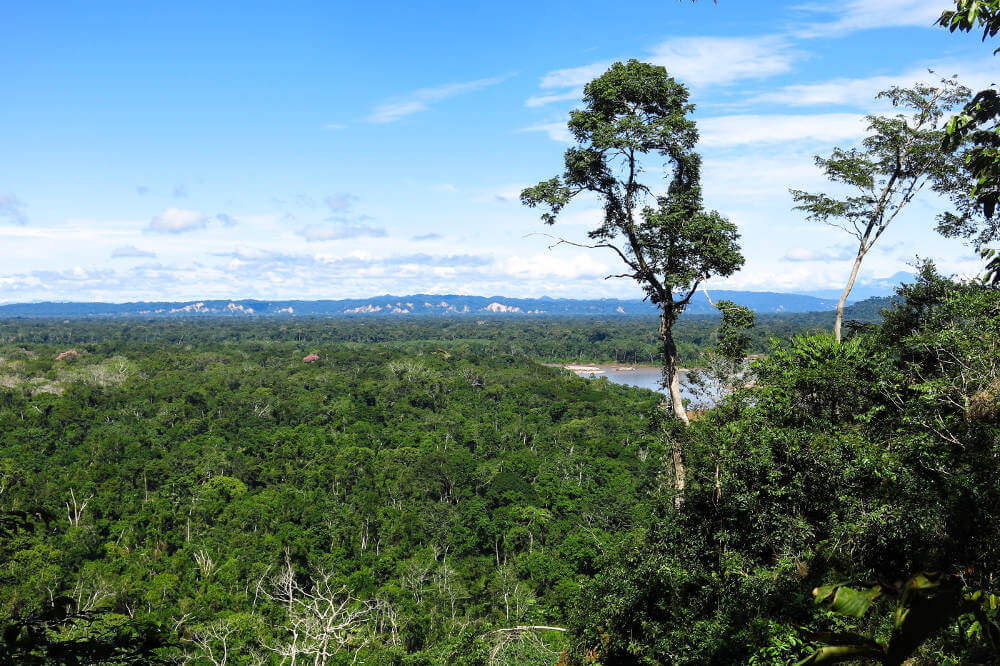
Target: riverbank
{"points": [[638, 375], [602, 368]]}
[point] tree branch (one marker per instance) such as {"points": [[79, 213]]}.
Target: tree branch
{"points": [[564, 241]]}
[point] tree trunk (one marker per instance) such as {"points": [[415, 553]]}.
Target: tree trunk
{"points": [[847, 292], [678, 457], [671, 367], [671, 378]]}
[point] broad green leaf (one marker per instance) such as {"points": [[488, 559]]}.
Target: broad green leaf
{"points": [[849, 601], [824, 591]]}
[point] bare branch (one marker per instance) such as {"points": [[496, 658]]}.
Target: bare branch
{"points": [[564, 241]]}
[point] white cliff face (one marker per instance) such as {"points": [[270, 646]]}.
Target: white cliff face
{"points": [[288, 310], [233, 307], [500, 307], [193, 307], [364, 308]]}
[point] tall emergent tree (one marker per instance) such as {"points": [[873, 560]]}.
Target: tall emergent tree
{"points": [[635, 113], [901, 154]]}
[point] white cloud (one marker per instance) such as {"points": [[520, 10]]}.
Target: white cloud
{"points": [[557, 131], [556, 265], [420, 100], [806, 254], [177, 220], [755, 129], [855, 15], [704, 61], [510, 192], [860, 92], [854, 92], [128, 251], [393, 111], [542, 100], [695, 61], [574, 77], [754, 180], [12, 210], [340, 202], [317, 232], [582, 217]]}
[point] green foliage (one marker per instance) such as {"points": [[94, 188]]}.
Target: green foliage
{"points": [[899, 156], [633, 340], [633, 111], [978, 127], [193, 490], [733, 339], [970, 14], [866, 461], [992, 275], [925, 604], [433, 491]]}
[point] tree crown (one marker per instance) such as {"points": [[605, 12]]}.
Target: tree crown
{"points": [[663, 234]]}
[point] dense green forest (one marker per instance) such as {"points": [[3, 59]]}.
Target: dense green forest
{"points": [[413, 491], [448, 491], [544, 339], [215, 498]]}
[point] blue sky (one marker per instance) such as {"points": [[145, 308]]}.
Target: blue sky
{"points": [[324, 150]]}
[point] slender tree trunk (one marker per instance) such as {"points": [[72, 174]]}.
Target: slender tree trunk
{"points": [[671, 377], [847, 292], [678, 457], [671, 367]]}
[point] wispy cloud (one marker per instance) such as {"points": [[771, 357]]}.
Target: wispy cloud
{"points": [[573, 77], [12, 210], [807, 254], [426, 237], [542, 100], [318, 232], [334, 126], [854, 15], [706, 61], [180, 191], [554, 265], [861, 91], [420, 100], [696, 61], [508, 193], [130, 251], [177, 221], [755, 129], [341, 202], [557, 131]]}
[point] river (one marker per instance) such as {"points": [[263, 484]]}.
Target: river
{"points": [[641, 376]]}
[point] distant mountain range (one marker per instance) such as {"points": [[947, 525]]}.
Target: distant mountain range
{"points": [[418, 304], [877, 288]]}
